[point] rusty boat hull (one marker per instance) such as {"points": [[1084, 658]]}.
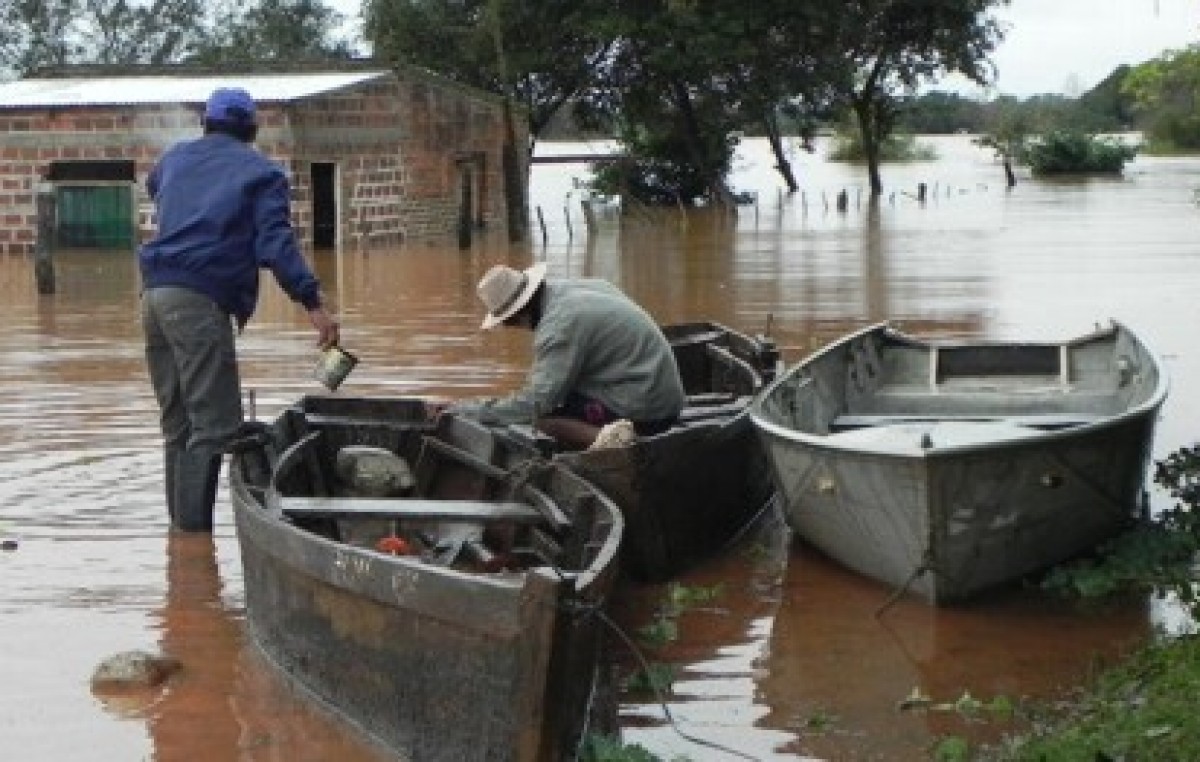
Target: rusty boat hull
{"points": [[492, 653]]}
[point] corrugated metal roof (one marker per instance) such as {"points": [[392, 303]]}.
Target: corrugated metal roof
{"points": [[136, 90]]}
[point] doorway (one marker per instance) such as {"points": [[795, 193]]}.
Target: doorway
{"points": [[323, 181], [95, 203]]}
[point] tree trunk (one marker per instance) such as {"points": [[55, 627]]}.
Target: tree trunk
{"points": [[868, 127], [717, 187], [514, 185], [782, 165]]}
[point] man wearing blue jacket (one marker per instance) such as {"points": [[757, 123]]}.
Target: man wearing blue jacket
{"points": [[223, 213]]}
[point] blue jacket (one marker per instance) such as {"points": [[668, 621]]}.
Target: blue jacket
{"points": [[223, 213]]}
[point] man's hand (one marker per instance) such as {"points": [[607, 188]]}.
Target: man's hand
{"points": [[328, 330]]}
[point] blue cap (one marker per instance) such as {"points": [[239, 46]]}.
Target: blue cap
{"points": [[232, 105]]}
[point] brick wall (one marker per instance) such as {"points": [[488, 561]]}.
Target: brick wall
{"points": [[398, 142]]}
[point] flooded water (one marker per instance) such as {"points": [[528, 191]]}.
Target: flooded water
{"points": [[795, 658]]}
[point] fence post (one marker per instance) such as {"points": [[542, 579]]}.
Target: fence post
{"points": [[43, 252]]}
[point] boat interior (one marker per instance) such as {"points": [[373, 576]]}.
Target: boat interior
{"points": [[883, 378], [392, 480], [721, 369]]}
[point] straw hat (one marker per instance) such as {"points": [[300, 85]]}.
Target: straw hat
{"points": [[504, 291]]}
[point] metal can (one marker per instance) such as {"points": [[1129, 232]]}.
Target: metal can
{"points": [[333, 367]]}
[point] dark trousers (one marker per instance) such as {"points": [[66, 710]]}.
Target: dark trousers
{"points": [[584, 408], [193, 369]]}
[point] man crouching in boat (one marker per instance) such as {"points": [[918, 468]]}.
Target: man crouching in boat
{"points": [[598, 358]]}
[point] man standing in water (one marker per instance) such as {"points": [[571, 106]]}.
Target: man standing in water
{"points": [[223, 213], [598, 358]]}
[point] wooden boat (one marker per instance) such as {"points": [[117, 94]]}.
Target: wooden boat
{"points": [[436, 595], [944, 469], [688, 492]]}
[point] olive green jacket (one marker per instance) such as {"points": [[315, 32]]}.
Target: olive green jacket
{"points": [[594, 341]]}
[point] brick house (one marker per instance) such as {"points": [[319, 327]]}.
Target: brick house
{"points": [[375, 156]]}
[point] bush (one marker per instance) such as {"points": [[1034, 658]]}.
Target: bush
{"points": [[896, 147], [1068, 152], [1156, 556]]}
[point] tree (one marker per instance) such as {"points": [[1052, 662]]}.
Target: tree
{"points": [[123, 33], [39, 33], [1166, 94], [272, 30], [894, 45], [540, 53], [36, 34], [783, 71]]}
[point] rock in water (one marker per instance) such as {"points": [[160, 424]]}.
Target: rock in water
{"points": [[133, 669]]}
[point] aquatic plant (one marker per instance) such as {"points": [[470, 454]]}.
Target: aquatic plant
{"points": [[1157, 556], [609, 749], [662, 629], [1142, 710]]}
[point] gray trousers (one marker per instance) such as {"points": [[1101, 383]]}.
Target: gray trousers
{"points": [[191, 358]]}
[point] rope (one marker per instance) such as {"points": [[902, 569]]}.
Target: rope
{"points": [[922, 567], [662, 702]]}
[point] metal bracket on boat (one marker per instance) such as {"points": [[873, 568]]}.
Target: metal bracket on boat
{"points": [[1125, 371]]}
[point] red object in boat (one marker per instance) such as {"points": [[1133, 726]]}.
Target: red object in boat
{"points": [[397, 546]]}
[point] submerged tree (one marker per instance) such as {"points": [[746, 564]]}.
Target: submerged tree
{"points": [[542, 54], [893, 46]]}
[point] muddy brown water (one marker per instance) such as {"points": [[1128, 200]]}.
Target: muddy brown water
{"points": [[793, 659]]}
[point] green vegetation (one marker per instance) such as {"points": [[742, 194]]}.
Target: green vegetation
{"points": [[606, 749], [662, 629], [1157, 556], [1164, 93], [897, 147], [1066, 152], [55, 33], [1144, 709], [674, 79]]}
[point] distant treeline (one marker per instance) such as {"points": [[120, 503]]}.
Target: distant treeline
{"points": [[1104, 108]]}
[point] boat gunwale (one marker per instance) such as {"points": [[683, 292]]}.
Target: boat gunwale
{"points": [[581, 580], [1147, 408], [581, 585]]}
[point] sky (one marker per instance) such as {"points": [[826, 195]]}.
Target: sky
{"points": [[1058, 46]]}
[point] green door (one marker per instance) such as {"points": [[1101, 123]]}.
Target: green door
{"points": [[95, 216]]}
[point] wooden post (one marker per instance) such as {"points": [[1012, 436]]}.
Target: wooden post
{"points": [[542, 225], [589, 215], [43, 266]]}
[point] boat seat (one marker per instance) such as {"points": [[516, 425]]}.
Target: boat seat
{"points": [[409, 508], [916, 436], [692, 414], [1048, 421]]}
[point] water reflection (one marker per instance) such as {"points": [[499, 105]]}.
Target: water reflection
{"points": [[838, 686], [784, 664], [226, 703]]}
